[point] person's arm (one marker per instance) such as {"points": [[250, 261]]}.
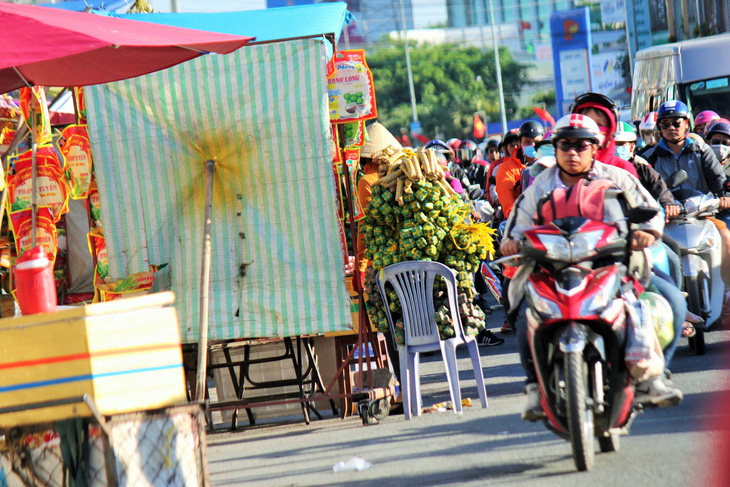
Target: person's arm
{"points": [[712, 170], [506, 184]]}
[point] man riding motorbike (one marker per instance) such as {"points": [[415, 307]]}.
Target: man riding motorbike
{"points": [[676, 150], [577, 140]]}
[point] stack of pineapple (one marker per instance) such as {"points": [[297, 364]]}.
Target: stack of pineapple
{"points": [[414, 214]]}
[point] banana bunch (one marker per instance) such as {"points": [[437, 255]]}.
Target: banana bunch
{"points": [[414, 214]]}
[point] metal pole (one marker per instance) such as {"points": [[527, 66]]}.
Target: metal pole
{"points": [[404, 32], [34, 179], [502, 111], [628, 40], [202, 381]]}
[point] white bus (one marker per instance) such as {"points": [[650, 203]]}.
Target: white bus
{"points": [[696, 72]]}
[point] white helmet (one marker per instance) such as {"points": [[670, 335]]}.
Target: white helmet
{"points": [[576, 126], [648, 122]]}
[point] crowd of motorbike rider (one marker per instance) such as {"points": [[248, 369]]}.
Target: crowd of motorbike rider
{"points": [[504, 180]]}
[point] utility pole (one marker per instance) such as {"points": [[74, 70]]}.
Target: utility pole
{"points": [[502, 111], [404, 34], [628, 39]]}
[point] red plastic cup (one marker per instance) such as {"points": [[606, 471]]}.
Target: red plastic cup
{"points": [[35, 286]]}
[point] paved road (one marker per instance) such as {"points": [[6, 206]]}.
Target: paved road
{"points": [[486, 446]]}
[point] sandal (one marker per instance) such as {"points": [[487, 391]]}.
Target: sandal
{"points": [[688, 330]]}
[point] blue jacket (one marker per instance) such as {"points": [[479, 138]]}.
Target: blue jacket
{"points": [[704, 171]]}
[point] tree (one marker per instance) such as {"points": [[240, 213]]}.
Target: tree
{"points": [[543, 99], [451, 83]]}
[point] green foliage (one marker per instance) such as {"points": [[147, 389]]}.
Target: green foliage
{"points": [[544, 99], [451, 83]]}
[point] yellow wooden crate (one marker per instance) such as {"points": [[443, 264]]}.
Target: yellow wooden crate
{"points": [[125, 354]]}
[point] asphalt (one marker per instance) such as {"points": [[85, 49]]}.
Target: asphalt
{"points": [[493, 446]]}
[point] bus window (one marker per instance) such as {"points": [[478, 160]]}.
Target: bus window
{"points": [[712, 94]]}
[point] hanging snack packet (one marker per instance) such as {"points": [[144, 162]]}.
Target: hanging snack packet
{"points": [[355, 134], [352, 161], [50, 184], [46, 155], [80, 100], [95, 206], [97, 246], [46, 235], [351, 89], [76, 150], [137, 284], [34, 108]]}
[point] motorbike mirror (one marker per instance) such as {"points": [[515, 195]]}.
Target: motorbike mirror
{"points": [[474, 192], [677, 178], [641, 214]]}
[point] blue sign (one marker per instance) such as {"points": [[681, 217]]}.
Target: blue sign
{"points": [[571, 35], [416, 127]]}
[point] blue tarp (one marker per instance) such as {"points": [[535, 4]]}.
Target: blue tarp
{"points": [[266, 25]]}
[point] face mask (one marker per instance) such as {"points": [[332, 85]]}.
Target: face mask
{"points": [[546, 150], [530, 151], [721, 151], [623, 153]]}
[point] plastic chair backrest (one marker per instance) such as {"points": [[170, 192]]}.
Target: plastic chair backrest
{"points": [[413, 283]]}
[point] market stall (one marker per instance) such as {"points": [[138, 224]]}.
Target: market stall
{"points": [[60, 366], [276, 236]]}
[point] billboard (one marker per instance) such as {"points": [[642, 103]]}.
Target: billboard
{"points": [[572, 58]]}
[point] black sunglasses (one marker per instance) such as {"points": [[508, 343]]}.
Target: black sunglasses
{"points": [[665, 124], [719, 142], [565, 146]]}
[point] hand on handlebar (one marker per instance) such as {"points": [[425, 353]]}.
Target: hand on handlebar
{"points": [[510, 247], [641, 240], [672, 211], [724, 202]]}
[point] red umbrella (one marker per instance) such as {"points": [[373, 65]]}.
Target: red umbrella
{"points": [[52, 47]]}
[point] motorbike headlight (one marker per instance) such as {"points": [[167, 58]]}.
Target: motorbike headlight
{"points": [[558, 247], [543, 306], [600, 300], [584, 244], [706, 244]]}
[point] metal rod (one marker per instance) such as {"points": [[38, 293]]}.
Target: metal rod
{"points": [[201, 381], [34, 184]]}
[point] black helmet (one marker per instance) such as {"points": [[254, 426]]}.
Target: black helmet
{"points": [[598, 99], [531, 128], [718, 128], [508, 139], [492, 144]]}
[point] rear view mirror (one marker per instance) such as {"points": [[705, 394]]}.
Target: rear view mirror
{"points": [[642, 214], [677, 178]]}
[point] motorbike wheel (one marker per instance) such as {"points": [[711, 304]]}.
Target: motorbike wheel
{"points": [[609, 443], [580, 418], [697, 342]]}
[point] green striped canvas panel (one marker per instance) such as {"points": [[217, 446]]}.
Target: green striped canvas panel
{"points": [[261, 113]]}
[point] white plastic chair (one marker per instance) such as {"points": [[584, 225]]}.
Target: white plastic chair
{"points": [[413, 283]]}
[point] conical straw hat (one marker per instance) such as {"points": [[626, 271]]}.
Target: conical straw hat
{"points": [[380, 138]]}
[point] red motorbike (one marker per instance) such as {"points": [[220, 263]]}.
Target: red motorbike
{"points": [[577, 323]]}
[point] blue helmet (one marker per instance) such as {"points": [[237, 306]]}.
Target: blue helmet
{"points": [[672, 109], [438, 146]]}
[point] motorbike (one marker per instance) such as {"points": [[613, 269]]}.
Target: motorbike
{"points": [[701, 248], [577, 315]]}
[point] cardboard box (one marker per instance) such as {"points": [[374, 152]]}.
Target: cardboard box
{"points": [[125, 354]]}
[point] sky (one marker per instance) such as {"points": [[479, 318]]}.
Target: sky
{"points": [[425, 12]]}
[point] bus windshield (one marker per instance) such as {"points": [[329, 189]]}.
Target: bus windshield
{"points": [[711, 94]]}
